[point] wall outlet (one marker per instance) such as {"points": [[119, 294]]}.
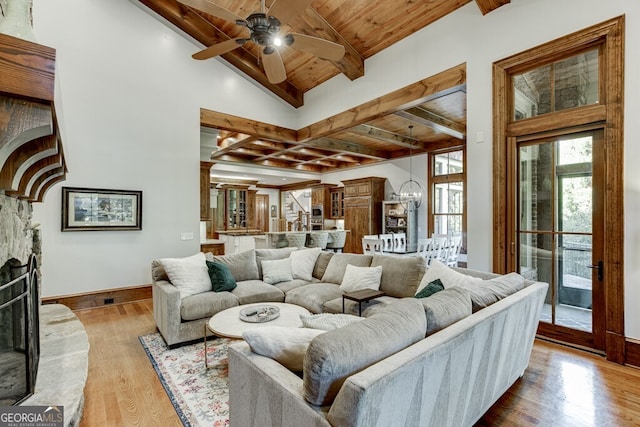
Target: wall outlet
{"points": [[108, 300], [186, 236]]}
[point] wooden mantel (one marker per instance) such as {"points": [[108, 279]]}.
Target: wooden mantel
{"points": [[31, 155]]}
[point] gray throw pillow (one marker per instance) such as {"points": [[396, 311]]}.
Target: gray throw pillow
{"points": [[243, 265]]}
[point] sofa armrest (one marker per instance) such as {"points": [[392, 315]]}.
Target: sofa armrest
{"points": [[259, 386], [166, 309]]}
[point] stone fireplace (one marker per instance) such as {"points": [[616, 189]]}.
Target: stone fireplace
{"points": [[19, 302]]}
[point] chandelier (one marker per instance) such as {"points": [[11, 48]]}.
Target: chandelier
{"points": [[411, 190]]}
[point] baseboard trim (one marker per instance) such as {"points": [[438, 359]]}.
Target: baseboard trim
{"points": [[632, 353], [101, 298]]}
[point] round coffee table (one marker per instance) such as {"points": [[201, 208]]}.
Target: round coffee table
{"points": [[227, 323]]}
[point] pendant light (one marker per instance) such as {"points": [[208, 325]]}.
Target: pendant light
{"points": [[411, 190]]}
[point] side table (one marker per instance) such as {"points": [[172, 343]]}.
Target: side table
{"points": [[363, 295]]}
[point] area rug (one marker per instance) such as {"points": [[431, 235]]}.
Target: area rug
{"points": [[199, 395]]}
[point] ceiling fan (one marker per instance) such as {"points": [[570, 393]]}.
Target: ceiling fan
{"points": [[264, 28]]}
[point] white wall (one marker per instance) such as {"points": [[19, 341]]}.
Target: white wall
{"points": [[131, 98], [131, 93]]}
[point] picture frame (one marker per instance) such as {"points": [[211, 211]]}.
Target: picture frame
{"points": [[92, 209]]}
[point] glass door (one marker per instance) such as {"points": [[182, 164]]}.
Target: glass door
{"points": [[560, 233]]}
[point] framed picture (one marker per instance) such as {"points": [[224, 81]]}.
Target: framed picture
{"points": [[90, 209]]}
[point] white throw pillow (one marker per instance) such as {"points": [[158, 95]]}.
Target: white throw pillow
{"points": [[190, 275], [276, 271], [328, 321], [302, 263], [357, 278], [448, 276], [286, 345]]}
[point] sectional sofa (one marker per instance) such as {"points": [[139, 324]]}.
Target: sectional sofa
{"points": [[443, 360]]}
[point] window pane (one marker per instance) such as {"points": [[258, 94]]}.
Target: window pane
{"points": [[576, 81], [536, 187], [532, 93], [448, 163], [448, 198], [573, 151]]}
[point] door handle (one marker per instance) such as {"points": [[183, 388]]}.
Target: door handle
{"points": [[600, 268]]}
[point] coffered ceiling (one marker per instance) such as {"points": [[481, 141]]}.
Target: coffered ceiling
{"points": [[429, 115]]}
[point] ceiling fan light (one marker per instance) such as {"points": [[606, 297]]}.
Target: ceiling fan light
{"points": [[277, 41]]}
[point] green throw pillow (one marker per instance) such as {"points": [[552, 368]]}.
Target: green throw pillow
{"points": [[221, 277], [430, 289]]}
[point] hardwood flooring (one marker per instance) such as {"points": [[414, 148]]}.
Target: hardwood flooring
{"points": [[562, 386]]}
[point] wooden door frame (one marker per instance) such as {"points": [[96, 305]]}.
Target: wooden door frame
{"points": [[610, 112], [265, 210]]}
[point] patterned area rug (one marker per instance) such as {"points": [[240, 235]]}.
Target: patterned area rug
{"points": [[200, 395]]}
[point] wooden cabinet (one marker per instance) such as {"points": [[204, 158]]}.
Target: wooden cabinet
{"points": [[320, 197], [216, 248], [362, 210], [336, 210], [236, 209], [205, 190]]}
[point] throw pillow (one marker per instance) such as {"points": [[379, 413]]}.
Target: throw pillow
{"points": [[276, 271], [243, 265], [302, 263], [328, 321], [221, 277], [189, 275], [430, 289], [448, 276], [357, 278], [284, 344]]}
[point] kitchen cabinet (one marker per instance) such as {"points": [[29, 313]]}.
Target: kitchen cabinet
{"points": [[362, 210], [236, 209], [336, 210]]}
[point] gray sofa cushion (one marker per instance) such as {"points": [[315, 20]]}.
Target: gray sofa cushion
{"points": [[400, 275], [157, 271], [486, 292], [321, 264], [338, 265], [250, 291], [243, 265], [270, 255], [446, 307], [290, 284], [206, 304], [313, 296], [335, 355]]}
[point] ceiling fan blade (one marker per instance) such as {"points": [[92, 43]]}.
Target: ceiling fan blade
{"points": [[212, 9], [316, 46], [286, 10], [219, 48], [273, 66]]}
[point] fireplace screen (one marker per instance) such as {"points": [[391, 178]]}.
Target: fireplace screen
{"points": [[19, 337]]}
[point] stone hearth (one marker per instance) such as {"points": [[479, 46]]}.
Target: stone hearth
{"points": [[64, 362]]}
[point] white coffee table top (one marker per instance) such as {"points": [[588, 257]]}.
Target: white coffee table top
{"points": [[227, 323]]}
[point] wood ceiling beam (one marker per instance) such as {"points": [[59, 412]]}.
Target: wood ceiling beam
{"points": [[450, 80], [233, 146], [437, 123], [206, 33], [383, 135], [217, 120], [337, 145], [352, 63], [487, 6]]}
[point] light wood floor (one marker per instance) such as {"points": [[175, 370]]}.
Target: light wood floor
{"points": [[561, 387]]}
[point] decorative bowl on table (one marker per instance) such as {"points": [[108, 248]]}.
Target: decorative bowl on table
{"points": [[259, 313]]}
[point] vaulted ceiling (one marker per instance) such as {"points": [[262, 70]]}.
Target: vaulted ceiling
{"points": [[412, 121]]}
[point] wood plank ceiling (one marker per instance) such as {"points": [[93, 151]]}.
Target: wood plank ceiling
{"points": [[364, 27]]}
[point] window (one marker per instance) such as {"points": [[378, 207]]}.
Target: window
{"points": [[447, 199]]}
